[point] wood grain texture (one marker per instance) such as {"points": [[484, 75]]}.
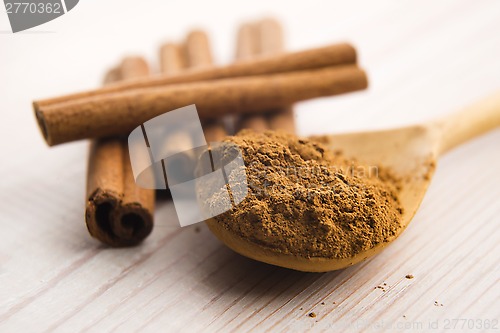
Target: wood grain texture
{"points": [[423, 60]]}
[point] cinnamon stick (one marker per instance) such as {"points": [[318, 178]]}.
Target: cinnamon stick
{"points": [[173, 60], [246, 42], [271, 39], [118, 213], [264, 37], [199, 55], [331, 55], [247, 47], [118, 113]]}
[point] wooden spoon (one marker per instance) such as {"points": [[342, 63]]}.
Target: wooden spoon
{"points": [[411, 152]]}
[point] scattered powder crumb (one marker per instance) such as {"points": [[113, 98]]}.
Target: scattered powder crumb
{"points": [[436, 303], [312, 315], [409, 276], [322, 303]]}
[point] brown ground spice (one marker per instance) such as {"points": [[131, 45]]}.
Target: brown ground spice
{"points": [[307, 201]]}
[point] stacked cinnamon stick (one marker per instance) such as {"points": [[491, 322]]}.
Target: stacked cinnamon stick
{"points": [[258, 89], [117, 212], [251, 86], [264, 37]]}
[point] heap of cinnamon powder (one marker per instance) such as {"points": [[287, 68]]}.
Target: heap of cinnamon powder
{"points": [[307, 201]]}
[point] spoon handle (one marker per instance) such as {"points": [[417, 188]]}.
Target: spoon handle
{"points": [[473, 121]]}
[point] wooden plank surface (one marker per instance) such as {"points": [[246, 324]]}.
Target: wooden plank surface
{"points": [[424, 59]]}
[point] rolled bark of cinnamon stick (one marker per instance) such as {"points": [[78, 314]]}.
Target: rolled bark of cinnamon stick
{"points": [[199, 55], [119, 113], [117, 213], [331, 55]]}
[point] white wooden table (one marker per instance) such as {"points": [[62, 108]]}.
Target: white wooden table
{"points": [[424, 59]]}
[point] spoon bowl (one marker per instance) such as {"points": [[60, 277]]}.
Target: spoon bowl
{"points": [[410, 152]]}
